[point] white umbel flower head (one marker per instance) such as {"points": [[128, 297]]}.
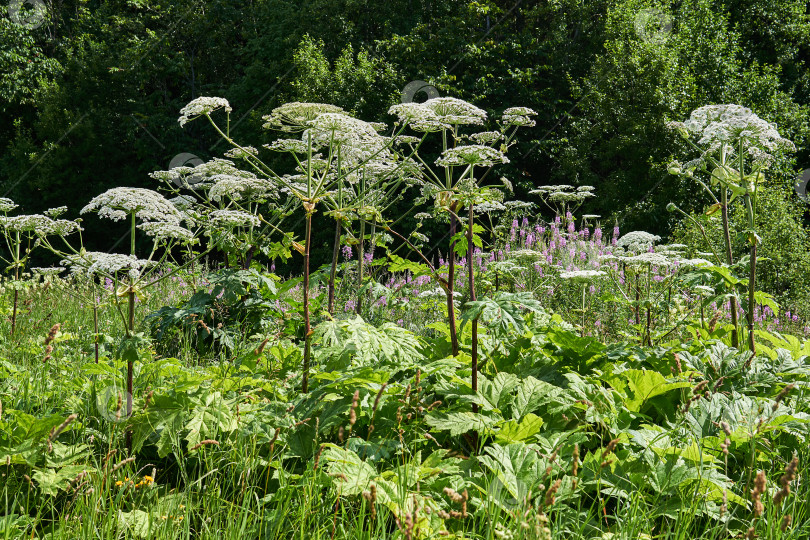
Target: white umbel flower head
{"points": [[551, 189], [183, 202], [406, 139], [232, 218], [39, 225], [418, 117], [202, 106], [55, 212], [162, 231], [489, 207], [60, 227], [296, 116], [7, 205], [486, 137], [473, 154], [637, 241], [694, 262], [569, 196], [339, 128], [89, 263], [147, 205], [518, 116], [437, 293], [237, 188], [295, 146], [703, 290], [519, 205], [648, 259], [26, 223], [582, 275], [454, 111], [199, 177], [244, 152], [714, 125]]}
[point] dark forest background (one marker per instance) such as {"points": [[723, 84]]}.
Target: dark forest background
{"points": [[90, 98]]}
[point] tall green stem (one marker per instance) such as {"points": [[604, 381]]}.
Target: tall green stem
{"points": [[752, 280], [451, 278], [735, 338], [360, 267], [130, 333], [752, 276], [132, 236], [471, 283], [647, 329], [95, 321], [307, 327], [335, 249], [333, 269], [14, 311], [16, 284], [582, 330]]}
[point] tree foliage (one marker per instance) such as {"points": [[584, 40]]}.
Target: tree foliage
{"points": [[90, 96]]}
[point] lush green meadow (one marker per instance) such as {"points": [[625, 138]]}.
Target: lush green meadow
{"points": [[573, 438], [518, 378]]}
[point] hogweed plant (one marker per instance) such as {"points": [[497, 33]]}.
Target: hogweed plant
{"points": [[22, 234], [454, 183], [246, 209], [148, 212], [332, 150], [736, 148], [564, 200]]}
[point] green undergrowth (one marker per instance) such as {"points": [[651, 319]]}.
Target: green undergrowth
{"points": [[566, 438]]}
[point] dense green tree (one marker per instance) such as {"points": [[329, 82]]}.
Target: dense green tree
{"points": [[618, 141], [90, 98]]}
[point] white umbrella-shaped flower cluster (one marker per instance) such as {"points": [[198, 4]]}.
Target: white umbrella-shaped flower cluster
{"points": [[240, 187], [518, 116], [716, 125], [39, 225], [296, 116], [474, 154], [202, 106], [7, 205], [90, 263], [637, 241], [232, 218], [147, 205], [437, 114]]}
